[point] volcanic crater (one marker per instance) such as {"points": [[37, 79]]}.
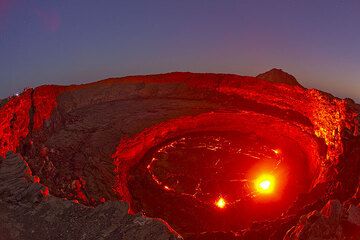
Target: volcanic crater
{"points": [[196, 153]]}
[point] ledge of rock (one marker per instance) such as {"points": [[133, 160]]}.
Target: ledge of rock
{"points": [[28, 212]]}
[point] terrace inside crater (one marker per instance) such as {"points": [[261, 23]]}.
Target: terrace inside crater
{"points": [[206, 181]]}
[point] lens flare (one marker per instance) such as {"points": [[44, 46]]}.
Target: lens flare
{"points": [[265, 184], [220, 203]]}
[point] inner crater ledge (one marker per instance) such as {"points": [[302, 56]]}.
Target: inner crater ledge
{"points": [[202, 176]]}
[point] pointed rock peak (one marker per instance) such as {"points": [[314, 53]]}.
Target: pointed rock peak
{"points": [[278, 75]]}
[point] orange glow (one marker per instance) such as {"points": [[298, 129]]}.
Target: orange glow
{"points": [[220, 203], [265, 184], [277, 151]]}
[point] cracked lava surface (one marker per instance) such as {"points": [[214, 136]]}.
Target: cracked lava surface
{"points": [[195, 171]]}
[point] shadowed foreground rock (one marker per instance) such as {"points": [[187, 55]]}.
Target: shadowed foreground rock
{"points": [[28, 212], [329, 223]]}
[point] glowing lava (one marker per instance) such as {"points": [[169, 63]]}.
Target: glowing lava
{"points": [[226, 180], [265, 184], [220, 203], [277, 151]]}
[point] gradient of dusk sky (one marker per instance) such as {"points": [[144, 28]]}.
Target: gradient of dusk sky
{"points": [[67, 41]]}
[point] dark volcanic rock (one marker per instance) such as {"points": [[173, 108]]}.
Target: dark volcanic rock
{"points": [[278, 75], [28, 212], [332, 222]]}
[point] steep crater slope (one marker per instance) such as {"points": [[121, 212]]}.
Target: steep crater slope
{"points": [[96, 142]]}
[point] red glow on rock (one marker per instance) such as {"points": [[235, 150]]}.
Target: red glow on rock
{"points": [[45, 192], [36, 179], [15, 115], [14, 122], [28, 172], [78, 185], [45, 101], [81, 196]]}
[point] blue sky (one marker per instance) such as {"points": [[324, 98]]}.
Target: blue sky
{"points": [[65, 42]]}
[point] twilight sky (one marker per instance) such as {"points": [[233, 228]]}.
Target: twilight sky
{"points": [[67, 41]]}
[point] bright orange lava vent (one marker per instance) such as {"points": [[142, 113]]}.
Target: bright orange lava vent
{"points": [[220, 203], [265, 184]]}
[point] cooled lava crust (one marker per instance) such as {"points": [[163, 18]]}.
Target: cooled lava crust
{"points": [[171, 145]]}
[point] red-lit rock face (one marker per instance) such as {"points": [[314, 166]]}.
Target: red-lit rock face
{"points": [[97, 142]]}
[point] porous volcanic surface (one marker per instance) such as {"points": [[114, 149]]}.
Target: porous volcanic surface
{"points": [[148, 157]]}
